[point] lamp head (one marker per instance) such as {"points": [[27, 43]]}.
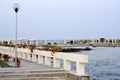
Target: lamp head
{"points": [[16, 7]]}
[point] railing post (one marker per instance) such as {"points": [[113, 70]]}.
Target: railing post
{"points": [[19, 55], [56, 62], [33, 57], [80, 68], [12, 52], [67, 65], [40, 59], [23, 55], [47, 61], [5, 50], [28, 56]]}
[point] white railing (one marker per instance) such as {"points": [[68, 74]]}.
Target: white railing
{"points": [[44, 57]]}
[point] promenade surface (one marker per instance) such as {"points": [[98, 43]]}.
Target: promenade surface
{"points": [[27, 66]]}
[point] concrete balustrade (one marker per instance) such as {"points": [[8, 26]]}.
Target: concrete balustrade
{"points": [[37, 56], [47, 60], [67, 65], [80, 69], [34, 57], [40, 59], [56, 62], [29, 57]]}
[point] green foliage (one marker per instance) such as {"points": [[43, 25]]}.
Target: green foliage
{"points": [[85, 41], [51, 48], [3, 64], [32, 47]]}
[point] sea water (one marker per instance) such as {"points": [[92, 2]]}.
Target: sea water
{"points": [[104, 63]]}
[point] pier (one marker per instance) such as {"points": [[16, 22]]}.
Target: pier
{"points": [[47, 58]]}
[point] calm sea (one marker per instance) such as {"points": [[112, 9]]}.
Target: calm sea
{"points": [[104, 63]]}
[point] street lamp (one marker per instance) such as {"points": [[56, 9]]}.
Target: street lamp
{"points": [[16, 8]]}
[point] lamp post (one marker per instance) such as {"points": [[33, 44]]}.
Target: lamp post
{"points": [[16, 8]]}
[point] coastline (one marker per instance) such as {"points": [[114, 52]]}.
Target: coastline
{"points": [[90, 45]]}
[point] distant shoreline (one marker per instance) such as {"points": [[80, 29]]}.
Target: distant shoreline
{"points": [[89, 45]]}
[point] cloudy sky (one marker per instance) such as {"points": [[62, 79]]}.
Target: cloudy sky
{"points": [[61, 19]]}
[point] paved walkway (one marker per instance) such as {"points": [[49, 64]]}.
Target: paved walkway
{"points": [[27, 66]]}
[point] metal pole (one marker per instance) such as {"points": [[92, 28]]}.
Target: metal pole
{"points": [[16, 8], [16, 41]]}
